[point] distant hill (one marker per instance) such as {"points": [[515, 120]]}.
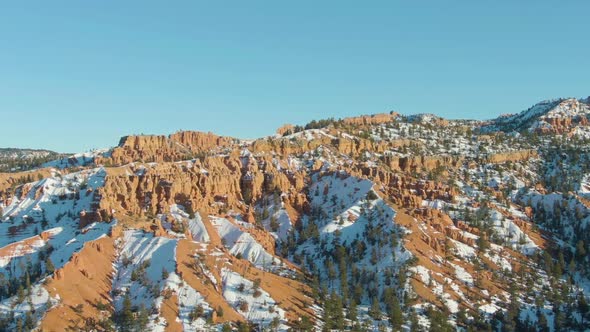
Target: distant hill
{"points": [[13, 159]]}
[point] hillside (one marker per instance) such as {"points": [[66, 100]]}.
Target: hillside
{"points": [[377, 222], [14, 160]]}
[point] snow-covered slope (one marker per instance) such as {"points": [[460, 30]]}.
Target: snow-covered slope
{"points": [[551, 116], [40, 233], [77, 159], [242, 244]]}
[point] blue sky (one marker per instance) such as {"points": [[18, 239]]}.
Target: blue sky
{"points": [[76, 75]]}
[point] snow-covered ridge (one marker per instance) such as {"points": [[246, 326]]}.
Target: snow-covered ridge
{"points": [[40, 233], [242, 244], [347, 211], [14, 160], [250, 300], [77, 159], [538, 116], [145, 273]]}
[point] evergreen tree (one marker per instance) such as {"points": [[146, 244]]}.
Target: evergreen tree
{"points": [[29, 323], [226, 327], [559, 321], [462, 317], [438, 321], [125, 317], [243, 327], [303, 325], [542, 323], [143, 318], [274, 324], [49, 267], [482, 243], [20, 294], [395, 314], [351, 314], [19, 325], [375, 310], [338, 317], [333, 315]]}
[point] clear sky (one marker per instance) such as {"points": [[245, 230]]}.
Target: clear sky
{"points": [[76, 75]]}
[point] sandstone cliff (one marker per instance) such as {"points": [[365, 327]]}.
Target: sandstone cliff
{"points": [[152, 148]]}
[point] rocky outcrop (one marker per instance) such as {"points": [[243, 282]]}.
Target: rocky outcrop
{"points": [[371, 119], [9, 180], [213, 185], [564, 117], [159, 148], [82, 282], [285, 129], [420, 163], [88, 217], [285, 146], [346, 145], [151, 189], [562, 125], [354, 147], [512, 156]]}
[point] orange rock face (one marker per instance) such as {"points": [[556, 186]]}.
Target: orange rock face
{"points": [[214, 184], [9, 180], [154, 190], [83, 282], [284, 129], [419, 163], [371, 119], [181, 145], [521, 155]]}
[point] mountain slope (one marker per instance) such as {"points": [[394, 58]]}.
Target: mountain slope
{"points": [[12, 160], [560, 116], [382, 222]]}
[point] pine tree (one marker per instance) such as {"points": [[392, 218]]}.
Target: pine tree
{"points": [[351, 314], [328, 313], [511, 318], [28, 281], [438, 321], [462, 317], [19, 325], [333, 315], [196, 313], [29, 323], [226, 328], [580, 250], [482, 243], [395, 314], [20, 294], [125, 317], [559, 321], [275, 323], [303, 325], [243, 327], [49, 267], [143, 318], [375, 310], [542, 323], [338, 317]]}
